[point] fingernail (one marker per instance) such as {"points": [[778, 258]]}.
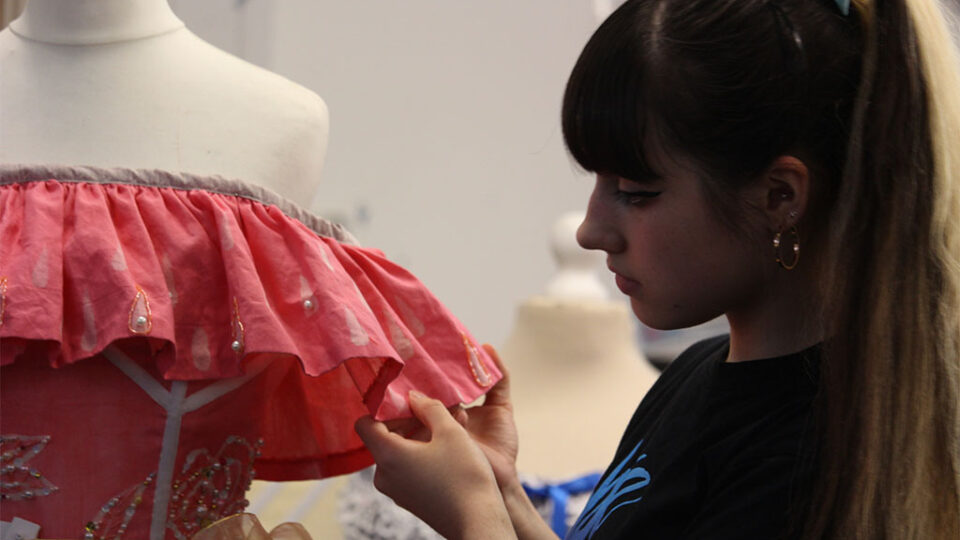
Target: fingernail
{"points": [[416, 394]]}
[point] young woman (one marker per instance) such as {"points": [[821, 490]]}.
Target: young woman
{"points": [[795, 165]]}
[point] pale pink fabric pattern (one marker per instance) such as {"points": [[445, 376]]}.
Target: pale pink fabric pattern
{"points": [[167, 342]]}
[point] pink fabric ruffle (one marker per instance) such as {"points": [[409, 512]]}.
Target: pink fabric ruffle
{"points": [[207, 283]]}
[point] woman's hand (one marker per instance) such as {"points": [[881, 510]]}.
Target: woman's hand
{"points": [[494, 430], [445, 481], [492, 426]]}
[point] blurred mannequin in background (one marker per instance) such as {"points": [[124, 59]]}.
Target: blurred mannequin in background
{"points": [[572, 353]]}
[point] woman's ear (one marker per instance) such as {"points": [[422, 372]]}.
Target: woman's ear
{"points": [[784, 191]]}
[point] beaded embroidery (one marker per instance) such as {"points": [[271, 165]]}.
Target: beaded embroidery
{"points": [[309, 299], [212, 487], [476, 365], [17, 480], [237, 327], [3, 297], [209, 488], [140, 321], [114, 517]]}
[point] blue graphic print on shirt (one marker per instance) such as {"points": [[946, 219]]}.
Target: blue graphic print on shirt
{"points": [[620, 488]]}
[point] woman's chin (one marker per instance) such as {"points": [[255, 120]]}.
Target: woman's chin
{"points": [[666, 319]]}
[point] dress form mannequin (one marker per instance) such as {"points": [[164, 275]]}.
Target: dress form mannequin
{"points": [[166, 323], [123, 83], [577, 374]]}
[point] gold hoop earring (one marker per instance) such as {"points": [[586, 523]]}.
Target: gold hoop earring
{"points": [[796, 249]]}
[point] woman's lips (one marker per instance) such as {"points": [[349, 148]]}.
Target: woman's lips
{"points": [[626, 285]]}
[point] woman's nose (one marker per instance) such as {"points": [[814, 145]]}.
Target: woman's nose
{"points": [[597, 231]]}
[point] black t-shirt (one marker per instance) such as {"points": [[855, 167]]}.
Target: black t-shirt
{"points": [[713, 451]]}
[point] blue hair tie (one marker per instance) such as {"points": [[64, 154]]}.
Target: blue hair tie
{"points": [[844, 6]]}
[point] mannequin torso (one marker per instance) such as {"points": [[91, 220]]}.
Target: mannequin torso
{"points": [[576, 369], [577, 377], [113, 83], [122, 84]]}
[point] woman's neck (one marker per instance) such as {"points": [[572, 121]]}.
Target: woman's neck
{"points": [[785, 321], [94, 22]]}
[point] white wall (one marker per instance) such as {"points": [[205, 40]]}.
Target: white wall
{"points": [[445, 150]]}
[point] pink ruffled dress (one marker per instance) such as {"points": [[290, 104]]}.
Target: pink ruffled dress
{"points": [[165, 337]]}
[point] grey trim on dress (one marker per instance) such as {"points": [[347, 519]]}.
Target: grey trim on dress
{"points": [[18, 174]]}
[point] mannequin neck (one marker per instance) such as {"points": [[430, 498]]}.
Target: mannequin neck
{"points": [[572, 336], [94, 22]]}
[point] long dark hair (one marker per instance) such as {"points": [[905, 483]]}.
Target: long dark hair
{"points": [[861, 99]]}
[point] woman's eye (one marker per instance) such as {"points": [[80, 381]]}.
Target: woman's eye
{"points": [[635, 196], [632, 192]]}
